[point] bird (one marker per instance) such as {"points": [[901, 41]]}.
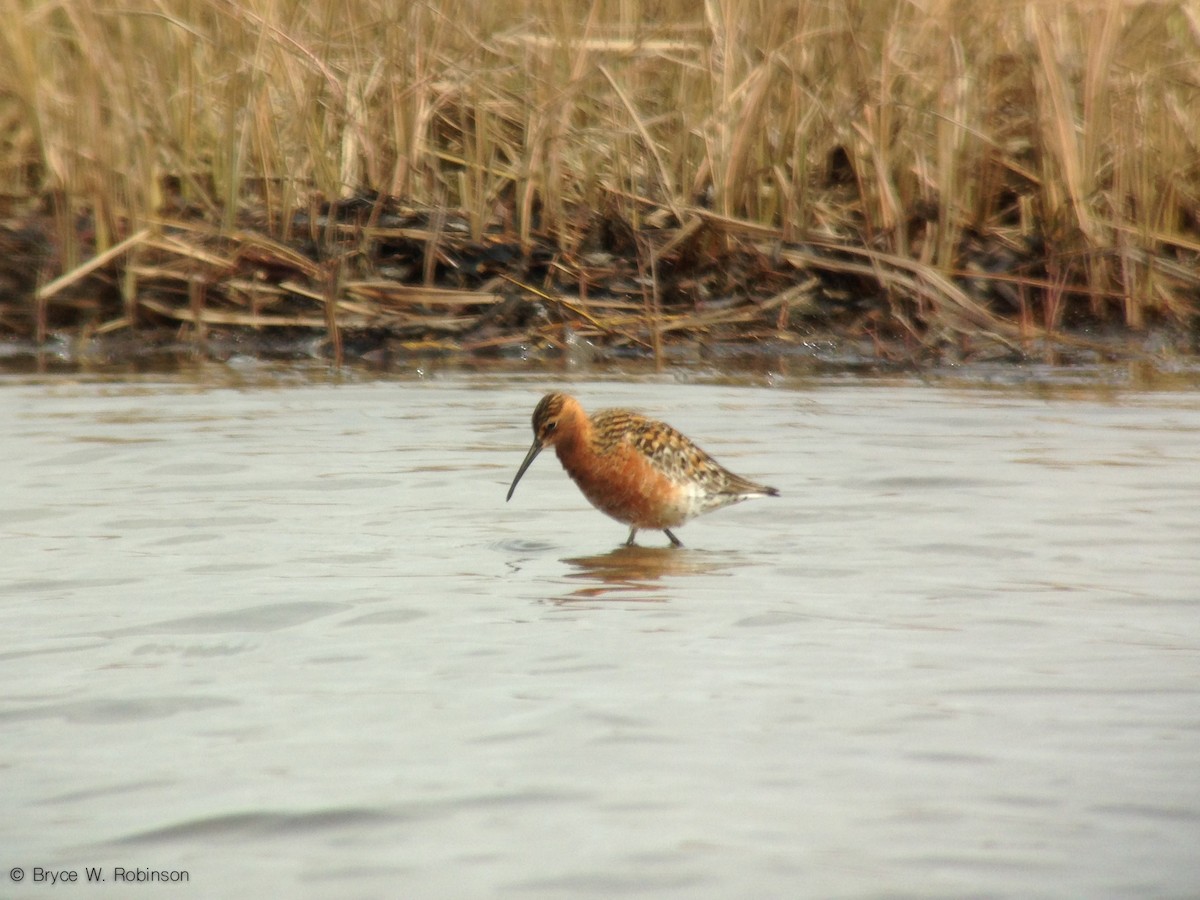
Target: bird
{"points": [[637, 470]]}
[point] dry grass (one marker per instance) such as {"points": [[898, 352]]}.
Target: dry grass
{"points": [[1042, 156]]}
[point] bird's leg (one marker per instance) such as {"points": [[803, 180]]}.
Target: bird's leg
{"points": [[632, 532], [675, 542]]}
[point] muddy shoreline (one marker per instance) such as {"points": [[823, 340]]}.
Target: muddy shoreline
{"points": [[371, 280]]}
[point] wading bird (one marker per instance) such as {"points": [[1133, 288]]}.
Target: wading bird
{"points": [[640, 471]]}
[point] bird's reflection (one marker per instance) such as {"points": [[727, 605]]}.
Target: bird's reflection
{"points": [[634, 574]]}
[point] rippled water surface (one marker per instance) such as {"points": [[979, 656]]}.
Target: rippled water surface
{"points": [[288, 638]]}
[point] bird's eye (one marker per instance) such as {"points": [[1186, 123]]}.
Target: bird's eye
{"points": [[550, 426]]}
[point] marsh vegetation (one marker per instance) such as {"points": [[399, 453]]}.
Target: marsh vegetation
{"points": [[918, 176]]}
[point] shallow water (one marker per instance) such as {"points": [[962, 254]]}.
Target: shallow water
{"points": [[287, 637]]}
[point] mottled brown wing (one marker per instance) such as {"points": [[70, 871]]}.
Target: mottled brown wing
{"points": [[670, 452]]}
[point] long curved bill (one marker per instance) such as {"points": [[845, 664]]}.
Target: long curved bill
{"points": [[529, 458]]}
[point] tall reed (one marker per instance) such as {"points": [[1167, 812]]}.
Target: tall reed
{"points": [[1071, 126]]}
